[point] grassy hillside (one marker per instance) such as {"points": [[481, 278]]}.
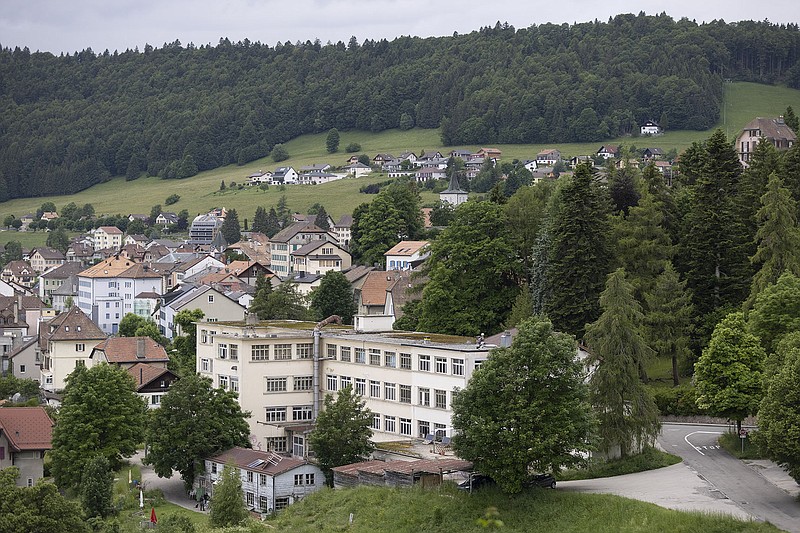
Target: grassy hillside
{"points": [[377, 510], [744, 101]]}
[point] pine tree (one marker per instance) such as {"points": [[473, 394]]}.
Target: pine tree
{"points": [[260, 220], [260, 303], [791, 173], [230, 227], [778, 238], [273, 223], [332, 141], [792, 120], [714, 247], [321, 220], [643, 246], [579, 257], [627, 415], [669, 318], [753, 184]]}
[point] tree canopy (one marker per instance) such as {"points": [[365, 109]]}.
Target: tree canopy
{"points": [[343, 431], [334, 296], [227, 508], [526, 409], [102, 415], [193, 422], [39, 509]]}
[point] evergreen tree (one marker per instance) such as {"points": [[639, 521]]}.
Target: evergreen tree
{"points": [[222, 185], [260, 220], [792, 120], [715, 244], [623, 190], [522, 308], [473, 272], [642, 244], [669, 318], [778, 238], [526, 211], [628, 416], [579, 256], [283, 212], [321, 220], [260, 303], [728, 374], [334, 296], [230, 229], [406, 122], [227, 508], [332, 141], [753, 184], [97, 485], [59, 240], [342, 433], [273, 223]]}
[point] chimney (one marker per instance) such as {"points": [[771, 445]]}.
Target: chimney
{"points": [[140, 347], [505, 339], [779, 120]]}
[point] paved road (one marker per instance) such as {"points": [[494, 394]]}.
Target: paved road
{"points": [[172, 487], [729, 477]]}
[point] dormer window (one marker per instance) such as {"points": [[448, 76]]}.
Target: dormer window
{"points": [[66, 328]]}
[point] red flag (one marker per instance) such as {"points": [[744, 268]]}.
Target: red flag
{"points": [[153, 518]]}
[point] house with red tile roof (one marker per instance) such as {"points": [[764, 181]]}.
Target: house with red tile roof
{"points": [[25, 435], [129, 351]]}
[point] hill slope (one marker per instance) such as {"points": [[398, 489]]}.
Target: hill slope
{"points": [[70, 122]]}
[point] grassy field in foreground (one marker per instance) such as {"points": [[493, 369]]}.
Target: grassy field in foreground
{"points": [[649, 459], [378, 510], [743, 102]]}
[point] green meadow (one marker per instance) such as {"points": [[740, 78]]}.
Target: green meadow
{"points": [[743, 102]]}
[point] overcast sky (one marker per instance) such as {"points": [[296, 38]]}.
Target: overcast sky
{"points": [[71, 25]]}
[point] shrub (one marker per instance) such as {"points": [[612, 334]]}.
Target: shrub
{"points": [[676, 401], [353, 147], [172, 199]]}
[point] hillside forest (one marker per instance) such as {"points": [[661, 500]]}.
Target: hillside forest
{"points": [[71, 121]]}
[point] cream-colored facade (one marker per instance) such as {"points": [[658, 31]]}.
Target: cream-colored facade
{"points": [[407, 380]]}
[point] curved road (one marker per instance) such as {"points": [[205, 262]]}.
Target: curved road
{"points": [[729, 477]]}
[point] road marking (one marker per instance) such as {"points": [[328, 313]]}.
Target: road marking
{"points": [[697, 448]]}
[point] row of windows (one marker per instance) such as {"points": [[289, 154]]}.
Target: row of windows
{"points": [[300, 413], [281, 352], [280, 384], [389, 424], [373, 356], [228, 383], [390, 391]]}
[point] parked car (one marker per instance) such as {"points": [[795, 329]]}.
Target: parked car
{"points": [[478, 481], [542, 480]]}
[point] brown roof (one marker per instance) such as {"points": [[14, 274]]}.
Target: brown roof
{"points": [[27, 428], [286, 234], [373, 291], [143, 270], [48, 253], [73, 325], [771, 128], [273, 464], [108, 268], [143, 373], [111, 230], [127, 350], [408, 248], [18, 268]]}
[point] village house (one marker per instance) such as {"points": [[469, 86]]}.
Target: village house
{"points": [[270, 482], [319, 257], [20, 273], [404, 254], [548, 157], [650, 128], [652, 154], [491, 153], [284, 176], [381, 296], [43, 259], [291, 239], [25, 435], [106, 237], [63, 343], [51, 280], [773, 130], [608, 151], [215, 305], [357, 170], [343, 232], [126, 352], [166, 219], [430, 173]]}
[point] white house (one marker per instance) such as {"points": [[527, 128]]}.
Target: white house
{"points": [[284, 175], [650, 128], [270, 482], [403, 254], [106, 291], [356, 170], [106, 237], [66, 342], [214, 304]]}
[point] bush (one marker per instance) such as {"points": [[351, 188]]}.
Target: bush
{"points": [[172, 199], [676, 401], [353, 147], [279, 153], [374, 188], [649, 459]]}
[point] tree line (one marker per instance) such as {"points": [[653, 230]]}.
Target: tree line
{"points": [[68, 122]]}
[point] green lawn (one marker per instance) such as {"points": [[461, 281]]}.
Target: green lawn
{"points": [[378, 510], [744, 101]]}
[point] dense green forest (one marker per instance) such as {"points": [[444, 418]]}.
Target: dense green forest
{"points": [[69, 122]]}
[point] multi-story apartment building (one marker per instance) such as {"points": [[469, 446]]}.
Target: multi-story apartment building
{"points": [[282, 373], [107, 237], [106, 291], [291, 239], [66, 342], [45, 259]]}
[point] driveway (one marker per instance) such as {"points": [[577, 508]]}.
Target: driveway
{"points": [[171, 487]]}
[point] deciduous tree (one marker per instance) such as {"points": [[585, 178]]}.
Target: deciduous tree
{"points": [[102, 415], [342, 432], [728, 374], [332, 141], [97, 484], [334, 296], [40, 508], [193, 422], [525, 409], [776, 311], [227, 508]]}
